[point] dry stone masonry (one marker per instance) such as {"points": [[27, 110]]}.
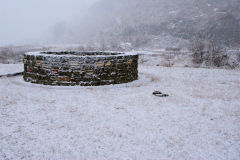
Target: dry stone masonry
{"points": [[80, 68]]}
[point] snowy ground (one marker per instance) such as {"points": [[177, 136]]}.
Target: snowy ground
{"points": [[199, 121], [10, 68]]}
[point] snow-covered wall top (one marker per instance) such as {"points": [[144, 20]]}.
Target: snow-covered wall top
{"points": [[81, 54]]}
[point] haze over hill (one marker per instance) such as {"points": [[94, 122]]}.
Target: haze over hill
{"points": [[143, 23], [30, 21], [141, 20]]}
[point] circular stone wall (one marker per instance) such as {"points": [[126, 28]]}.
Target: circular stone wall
{"points": [[80, 68]]}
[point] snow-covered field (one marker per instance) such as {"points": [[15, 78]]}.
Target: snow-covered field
{"points": [[10, 68], [200, 120]]}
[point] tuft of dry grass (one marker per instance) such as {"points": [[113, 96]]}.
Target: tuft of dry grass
{"points": [[167, 65]]}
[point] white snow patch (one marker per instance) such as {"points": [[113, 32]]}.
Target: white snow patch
{"points": [[10, 68]]}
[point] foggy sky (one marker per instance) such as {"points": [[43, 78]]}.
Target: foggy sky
{"points": [[25, 21]]}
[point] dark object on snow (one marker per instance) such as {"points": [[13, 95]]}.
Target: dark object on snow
{"points": [[160, 94], [156, 93], [164, 95], [12, 75]]}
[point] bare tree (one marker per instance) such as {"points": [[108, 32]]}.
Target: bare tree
{"points": [[102, 42], [197, 47], [216, 55], [114, 44], [90, 46], [238, 56], [209, 52]]}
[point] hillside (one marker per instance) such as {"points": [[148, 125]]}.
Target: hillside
{"points": [[135, 20]]}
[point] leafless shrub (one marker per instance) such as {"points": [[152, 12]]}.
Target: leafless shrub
{"points": [[140, 40], [14, 54], [114, 44], [167, 64], [216, 55], [208, 52], [9, 55], [238, 56], [81, 48], [91, 46], [197, 48], [168, 60]]}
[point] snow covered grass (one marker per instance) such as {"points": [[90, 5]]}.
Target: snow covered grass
{"points": [[10, 68], [199, 120], [166, 59]]}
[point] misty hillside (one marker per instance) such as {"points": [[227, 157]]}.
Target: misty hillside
{"points": [[141, 21]]}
